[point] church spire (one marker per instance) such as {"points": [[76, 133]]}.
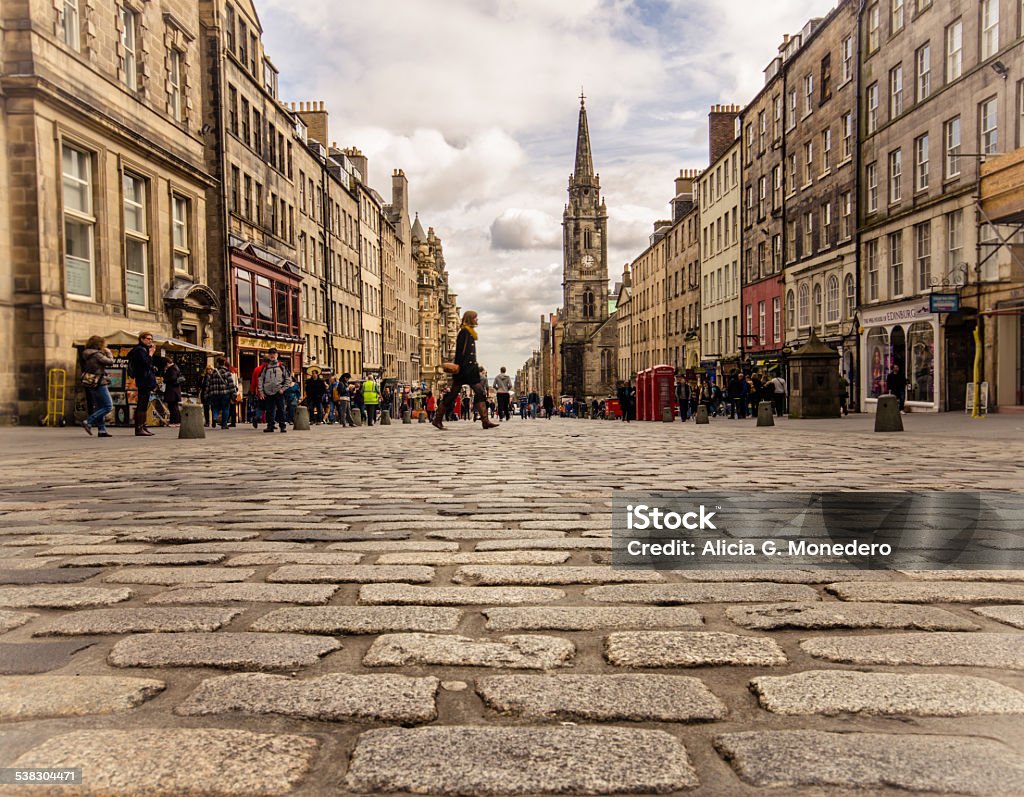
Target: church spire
{"points": [[584, 162]]}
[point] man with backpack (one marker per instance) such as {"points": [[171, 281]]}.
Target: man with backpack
{"points": [[274, 381]]}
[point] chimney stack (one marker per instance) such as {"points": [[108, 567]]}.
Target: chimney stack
{"points": [[314, 117], [721, 130]]}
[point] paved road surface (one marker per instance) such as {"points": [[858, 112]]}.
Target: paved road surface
{"points": [[393, 610]]}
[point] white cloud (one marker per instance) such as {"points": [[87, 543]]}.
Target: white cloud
{"points": [[519, 228], [476, 101]]}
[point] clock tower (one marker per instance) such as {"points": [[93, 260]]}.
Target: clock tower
{"points": [[585, 268]]}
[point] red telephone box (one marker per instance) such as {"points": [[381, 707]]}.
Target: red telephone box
{"points": [[643, 395], [663, 391]]}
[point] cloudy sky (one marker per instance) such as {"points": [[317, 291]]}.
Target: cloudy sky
{"points": [[477, 100]]}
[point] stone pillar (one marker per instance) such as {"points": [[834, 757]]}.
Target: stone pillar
{"points": [[385, 418], [423, 417], [667, 415], [765, 414], [357, 416], [887, 414], [191, 422], [406, 416], [702, 414], [301, 419]]}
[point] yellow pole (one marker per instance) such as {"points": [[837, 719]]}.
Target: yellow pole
{"points": [[976, 411]]}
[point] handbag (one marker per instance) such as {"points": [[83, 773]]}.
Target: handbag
{"points": [[450, 368], [91, 380]]}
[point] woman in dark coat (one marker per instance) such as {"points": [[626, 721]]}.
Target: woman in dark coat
{"points": [[172, 390], [468, 374]]}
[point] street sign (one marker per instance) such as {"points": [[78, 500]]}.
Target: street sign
{"points": [[944, 302], [983, 405]]}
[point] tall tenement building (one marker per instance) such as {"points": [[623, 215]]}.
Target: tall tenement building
{"points": [[103, 187], [942, 90], [588, 344]]}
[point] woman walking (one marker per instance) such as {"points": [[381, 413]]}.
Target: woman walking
{"points": [[468, 373], [96, 357]]}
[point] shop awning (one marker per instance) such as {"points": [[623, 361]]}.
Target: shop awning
{"points": [[123, 337]]}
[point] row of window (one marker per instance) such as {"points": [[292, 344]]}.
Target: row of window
{"points": [[721, 233], [721, 285], [921, 234], [988, 26], [799, 306], [714, 186], [272, 213], [81, 218], [758, 336], [129, 33], [258, 133], [722, 337]]}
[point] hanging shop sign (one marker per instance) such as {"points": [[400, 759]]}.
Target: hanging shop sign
{"points": [[944, 302]]}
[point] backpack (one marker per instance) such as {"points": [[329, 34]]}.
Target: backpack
{"points": [[130, 369]]}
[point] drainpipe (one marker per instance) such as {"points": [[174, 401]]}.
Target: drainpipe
{"points": [[856, 383]]}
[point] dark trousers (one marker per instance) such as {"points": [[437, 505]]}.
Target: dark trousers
{"points": [[207, 410], [780, 404], [275, 411], [174, 410], [371, 414], [503, 411], [316, 410], [141, 408]]}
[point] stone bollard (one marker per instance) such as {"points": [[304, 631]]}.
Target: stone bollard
{"points": [[191, 422], [385, 418], [765, 416], [301, 419], [702, 414], [357, 416], [406, 416], [667, 416], [423, 417], [887, 414]]}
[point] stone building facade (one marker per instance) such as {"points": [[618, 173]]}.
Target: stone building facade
{"points": [[648, 314], [682, 276], [437, 310], [720, 247], [104, 185], [588, 340], [764, 146], [250, 149], [401, 295], [819, 209], [941, 90]]}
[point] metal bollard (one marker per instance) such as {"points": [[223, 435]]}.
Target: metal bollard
{"points": [[765, 416], [702, 414], [191, 422], [887, 414], [301, 419]]}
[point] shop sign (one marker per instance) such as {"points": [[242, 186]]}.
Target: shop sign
{"points": [[983, 394], [895, 313], [944, 302], [263, 345]]}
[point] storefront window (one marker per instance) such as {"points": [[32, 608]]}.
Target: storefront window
{"points": [[921, 362], [282, 310], [264, 304], [878, 361], [243, 286]]}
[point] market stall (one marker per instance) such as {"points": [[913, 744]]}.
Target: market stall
{"points": [[190, 358]]}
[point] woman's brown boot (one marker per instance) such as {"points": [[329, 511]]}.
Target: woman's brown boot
{"points": [[438, 422], [485, 422]]}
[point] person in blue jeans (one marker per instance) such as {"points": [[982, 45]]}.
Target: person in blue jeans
{"points": [[96, 357]]}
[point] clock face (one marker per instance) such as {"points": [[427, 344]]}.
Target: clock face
{"points": [[587, 262]]}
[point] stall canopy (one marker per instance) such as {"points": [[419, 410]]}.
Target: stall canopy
{"points": [[123, 337]]}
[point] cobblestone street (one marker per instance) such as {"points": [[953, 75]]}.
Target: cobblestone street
{"points": [[393, 610]]}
